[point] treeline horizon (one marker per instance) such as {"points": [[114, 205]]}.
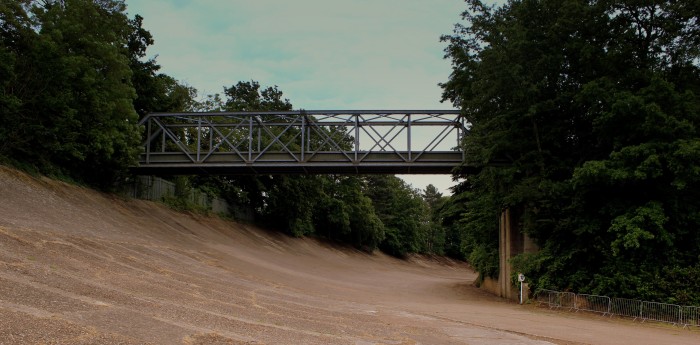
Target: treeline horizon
{"points": [[76, 79], [592, 110]]}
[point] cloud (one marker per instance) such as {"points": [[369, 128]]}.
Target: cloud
{"points": [[370, 53]]}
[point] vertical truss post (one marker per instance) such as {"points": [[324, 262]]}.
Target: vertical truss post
{"points": [[211, 138], [303, 135], [357, 136], [409, 137], [148, 143], [250, 138], [461, 132], [199, 138]]}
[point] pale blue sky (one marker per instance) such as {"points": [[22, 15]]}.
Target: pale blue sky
{"points": [[332, 54]]}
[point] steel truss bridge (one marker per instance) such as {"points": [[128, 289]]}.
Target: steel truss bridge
{"points": [[317, 142]]}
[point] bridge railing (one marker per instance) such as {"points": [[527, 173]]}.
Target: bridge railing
{"points": [[330, 139], [686, 316]]}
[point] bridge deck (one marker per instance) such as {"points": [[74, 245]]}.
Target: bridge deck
{"points": [[281, 163]]}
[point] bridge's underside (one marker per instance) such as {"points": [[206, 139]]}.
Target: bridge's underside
{"points": [[299, 142], [323, 163]]}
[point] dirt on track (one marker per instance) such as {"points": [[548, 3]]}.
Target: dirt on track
{"points": [[82, 267]]}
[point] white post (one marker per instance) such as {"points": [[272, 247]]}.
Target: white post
{"points": [[521, 278], [521, 292]]}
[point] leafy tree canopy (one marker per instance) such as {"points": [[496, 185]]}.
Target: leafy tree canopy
{"points": [[594, 108], [75, 78], [67, 87]]}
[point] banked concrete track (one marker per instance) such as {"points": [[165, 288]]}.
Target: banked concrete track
{"points": [[81, 267]]}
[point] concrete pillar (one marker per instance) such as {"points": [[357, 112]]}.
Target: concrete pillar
{"points": [[504, 253], [512, 241]]}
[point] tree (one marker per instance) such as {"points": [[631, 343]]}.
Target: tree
{"points": [[68, 96], [403, 213], [346, 214], [591, 109], [334, 207], [247, 96], [155, 92], [256, 192], [435, 232], [16, 39]]}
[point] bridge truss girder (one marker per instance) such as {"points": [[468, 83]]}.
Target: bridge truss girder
{"points": [[341, 142]]}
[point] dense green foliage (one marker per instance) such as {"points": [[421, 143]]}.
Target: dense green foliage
{"points": [[75, 78], [585, 122], [71, 77], [403, 213], [67, 96], [367, 212]]}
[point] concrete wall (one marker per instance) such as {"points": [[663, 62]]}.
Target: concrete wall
{"points": [[157, 189], [494, 286], [491, 285], [512, 241]]}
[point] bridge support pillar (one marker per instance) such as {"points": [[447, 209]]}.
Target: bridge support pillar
{"points": [[512, 241]]}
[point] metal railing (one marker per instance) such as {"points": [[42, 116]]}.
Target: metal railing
{"points": [[548, 297], [593, 303], [686, 316], [662, 312], [691, 316], [626, 307]]}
